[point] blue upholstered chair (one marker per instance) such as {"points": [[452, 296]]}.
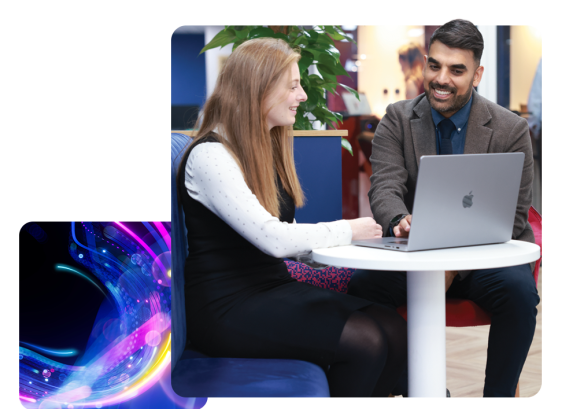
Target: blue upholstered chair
{"points": [[196, 375]]}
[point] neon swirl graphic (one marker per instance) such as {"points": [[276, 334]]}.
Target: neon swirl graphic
{"points": [[130, 352]]}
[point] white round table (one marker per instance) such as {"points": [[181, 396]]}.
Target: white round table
{"points": [[426, 295]]}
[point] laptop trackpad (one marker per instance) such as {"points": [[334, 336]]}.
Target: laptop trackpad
{"points": [[394, 240]]}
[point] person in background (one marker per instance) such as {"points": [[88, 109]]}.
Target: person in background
{"points": [[411, 59], [534, 104], [451, 118], [534, 121], [239, 189]]}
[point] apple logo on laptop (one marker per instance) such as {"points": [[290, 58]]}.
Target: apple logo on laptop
{"points": [[467, 200]]}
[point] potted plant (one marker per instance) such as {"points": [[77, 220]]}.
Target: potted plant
{"points": [[316, 47]]}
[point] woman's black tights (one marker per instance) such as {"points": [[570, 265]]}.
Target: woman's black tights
{"points": [[371, 354]]}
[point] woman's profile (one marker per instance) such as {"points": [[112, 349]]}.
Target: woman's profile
{"points": [[239, 189], [411, 59]]}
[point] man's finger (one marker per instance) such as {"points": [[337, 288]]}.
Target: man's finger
{"points": [[397, 231]]}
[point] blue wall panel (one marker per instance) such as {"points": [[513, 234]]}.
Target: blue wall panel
{"points": [[318, 164], [189, 84]]}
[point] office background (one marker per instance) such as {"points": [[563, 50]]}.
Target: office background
{"points": [[510, 58]]}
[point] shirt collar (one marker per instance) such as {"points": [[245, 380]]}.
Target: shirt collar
{"points": [[459, 119]]}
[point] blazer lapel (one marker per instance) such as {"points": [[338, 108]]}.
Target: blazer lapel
{"points": [[478, 136], [423, 132]]}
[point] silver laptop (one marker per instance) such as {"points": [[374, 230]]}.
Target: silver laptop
{"points": [[461, 200]]}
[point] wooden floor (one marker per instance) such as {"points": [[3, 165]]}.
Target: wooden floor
{"points": [[466, 355]]}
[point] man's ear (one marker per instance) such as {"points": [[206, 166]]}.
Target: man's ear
{"points": [[478, 75]]}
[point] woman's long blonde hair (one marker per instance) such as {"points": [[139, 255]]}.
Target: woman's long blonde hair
{"points": [[237, 110]]}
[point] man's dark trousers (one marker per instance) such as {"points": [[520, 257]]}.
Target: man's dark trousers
{"points": [[509, 293]]}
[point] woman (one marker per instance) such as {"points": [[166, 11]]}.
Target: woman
{"points": [[239, 189], [411, 59]]}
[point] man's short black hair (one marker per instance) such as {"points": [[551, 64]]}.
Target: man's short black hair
{"points": [[460, 34]]}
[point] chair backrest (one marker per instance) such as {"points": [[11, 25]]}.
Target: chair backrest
{"points": [[179, 254], [534, 220]]}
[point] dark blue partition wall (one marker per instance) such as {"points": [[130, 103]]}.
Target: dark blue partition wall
{"points": [[188, 73], [503, 65], [318, 164]]}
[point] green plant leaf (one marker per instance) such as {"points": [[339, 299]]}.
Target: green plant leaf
{"points": [[332, 63], [316, 96], [329, 29], [301, 40], [315, 80], [305, 61], [224, 37], [312, 36], [238, 43], [318, 48], [323, 112], [330, 88], [261, 32], [310, 103], [345, 144], [305, 82], [336, 54], [332, 31], [352, 91], [325, 39], [327, 59], [330, 78], [242, 32], [325, 69], [281, 36]]}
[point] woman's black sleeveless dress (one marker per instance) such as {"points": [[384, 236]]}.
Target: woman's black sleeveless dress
{"points": [[243, 303]]}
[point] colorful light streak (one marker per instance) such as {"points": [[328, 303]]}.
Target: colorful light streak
{"points": [[164, 234], [27, 398], [101, 365], [112, 259], [62, 267], [146, 247], [54, 352], [74, 395], [137, 388], [145, 371], [163, 244]]}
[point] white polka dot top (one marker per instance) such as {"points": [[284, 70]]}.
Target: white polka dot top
{"points": [[213, 178]]}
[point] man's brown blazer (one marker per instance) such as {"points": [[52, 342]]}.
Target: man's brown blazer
{"points": [[406, 132]]}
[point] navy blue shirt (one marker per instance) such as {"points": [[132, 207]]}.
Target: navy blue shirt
{"points": [[460, 120]]}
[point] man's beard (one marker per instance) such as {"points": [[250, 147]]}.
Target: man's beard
{"points": [[456, 103]]}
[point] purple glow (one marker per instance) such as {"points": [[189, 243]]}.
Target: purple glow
{"points": [[159, 322], [70, 396], [148, 249], [27, 398], [163, 233]]}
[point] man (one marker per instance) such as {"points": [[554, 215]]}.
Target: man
{"points": [[451, 118]]}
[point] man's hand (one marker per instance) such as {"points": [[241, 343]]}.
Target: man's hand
{"points": [[449, 278], [403, 228]]}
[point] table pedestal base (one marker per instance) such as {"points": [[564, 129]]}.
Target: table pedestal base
{"points": [[426, 334]]}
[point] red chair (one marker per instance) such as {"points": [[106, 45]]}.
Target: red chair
{"points": [[465, 313]]}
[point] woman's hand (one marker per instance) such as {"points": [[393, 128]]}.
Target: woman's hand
{"points": [[365, 228]]}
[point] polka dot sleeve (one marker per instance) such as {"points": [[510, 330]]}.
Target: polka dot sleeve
{"points": [[214, 179]]}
